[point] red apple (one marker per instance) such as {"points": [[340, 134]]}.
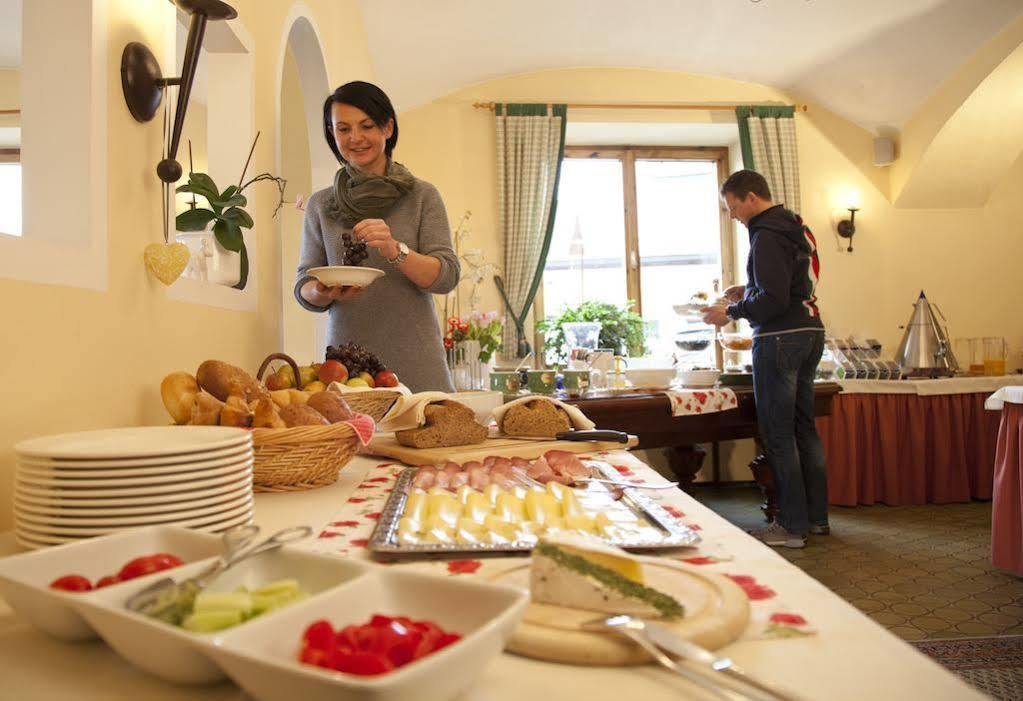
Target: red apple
{"points": [[333, 371], [386, 378]]}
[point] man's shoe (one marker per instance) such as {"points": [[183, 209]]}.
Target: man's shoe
{"points": [[820, 530], [776, 536]]}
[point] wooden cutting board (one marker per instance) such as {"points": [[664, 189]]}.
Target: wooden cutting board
{"points": [[386, 446], [717, 611]]}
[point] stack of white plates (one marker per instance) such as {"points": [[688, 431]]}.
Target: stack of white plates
{"points": [[78, 485]]}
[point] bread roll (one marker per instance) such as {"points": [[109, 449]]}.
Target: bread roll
{"points": [[302, 415], [267, 415], [332, 406], [220, 378], [206, 410], [178, 392], [236, 413]]}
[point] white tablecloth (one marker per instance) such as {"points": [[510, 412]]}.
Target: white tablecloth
{"points": [[1012, 395], [821, 646], [952, 385]]}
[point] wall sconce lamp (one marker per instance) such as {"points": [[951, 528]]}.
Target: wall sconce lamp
{"points": [[143, 83], [847, 227]]}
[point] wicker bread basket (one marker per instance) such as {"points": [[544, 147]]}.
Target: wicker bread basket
{"points": [[301, 457]]}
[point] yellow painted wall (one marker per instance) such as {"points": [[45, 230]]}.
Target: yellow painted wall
{"points": [[949, 254], [76, 359]]}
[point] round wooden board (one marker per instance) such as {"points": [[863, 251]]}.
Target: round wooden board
{"points": [[717, 611]]}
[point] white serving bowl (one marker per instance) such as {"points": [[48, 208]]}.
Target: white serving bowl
{"points": [[25, 579], [345, 275], [699, 378], [181, 656], [262, 658], [650, 377]]}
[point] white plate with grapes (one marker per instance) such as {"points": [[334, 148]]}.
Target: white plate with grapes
{"points": [[345, 275]]}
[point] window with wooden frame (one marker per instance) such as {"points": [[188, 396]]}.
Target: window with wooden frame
{"points": [[644, 225], [10, 191]]}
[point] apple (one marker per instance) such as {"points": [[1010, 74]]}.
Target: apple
{"points": [[386, 378], [314, 386], [307, 374], [287, 377], [368, 378], [357, 382], [333, 371], [275, 382]]}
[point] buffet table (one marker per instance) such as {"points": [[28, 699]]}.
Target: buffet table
{"points": [[802, 636], [1007, 497], [901, 442]]}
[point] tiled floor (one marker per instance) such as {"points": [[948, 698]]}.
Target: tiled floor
{"points": [[921, 571]]}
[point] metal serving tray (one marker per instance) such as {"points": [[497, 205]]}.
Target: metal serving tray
{"points": [[671, 533]]}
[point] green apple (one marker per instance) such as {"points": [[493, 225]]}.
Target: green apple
{"points": [[357, 382]]}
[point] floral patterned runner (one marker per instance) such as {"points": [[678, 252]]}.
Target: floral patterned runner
{"points": [[686, 402]]}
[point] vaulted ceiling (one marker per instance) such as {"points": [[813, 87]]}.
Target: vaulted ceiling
{"points": [[873, 62]]}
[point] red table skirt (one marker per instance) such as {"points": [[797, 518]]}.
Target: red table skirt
{"points": [[1007, 506], [902, 449]]}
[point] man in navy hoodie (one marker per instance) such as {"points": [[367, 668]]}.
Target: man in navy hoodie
{"points": [[788, 339]]}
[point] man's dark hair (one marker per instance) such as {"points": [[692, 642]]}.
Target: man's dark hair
{"points": [[742, 182], [368, 98]]}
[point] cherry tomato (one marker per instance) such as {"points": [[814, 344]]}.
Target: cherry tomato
{"points": [[107, 581], [147, 565], [71, 582]]}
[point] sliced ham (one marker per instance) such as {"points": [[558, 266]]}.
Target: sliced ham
{"points": [[566, 464], [540, 471], [442, 479], [479, 478], [425, 478]]}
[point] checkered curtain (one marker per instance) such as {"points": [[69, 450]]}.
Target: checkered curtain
{"points": [[767, 136], [530, 148]]}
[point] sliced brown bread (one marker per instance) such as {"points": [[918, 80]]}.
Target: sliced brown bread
{"points": [[448, 423], [535, 418]]}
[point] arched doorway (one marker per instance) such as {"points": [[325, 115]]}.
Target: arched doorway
{"points": [[308, 165]]}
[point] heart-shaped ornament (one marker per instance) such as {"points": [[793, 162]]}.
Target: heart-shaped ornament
{"points": [[166, 261]]}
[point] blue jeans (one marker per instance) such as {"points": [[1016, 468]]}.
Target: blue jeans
{"points": [[783, 372]]}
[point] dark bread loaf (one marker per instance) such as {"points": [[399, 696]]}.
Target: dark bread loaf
{"points": [[448, 423], [538, 417]]}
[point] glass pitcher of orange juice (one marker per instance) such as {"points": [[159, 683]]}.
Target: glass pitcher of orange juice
{"points": [[995, 351]]}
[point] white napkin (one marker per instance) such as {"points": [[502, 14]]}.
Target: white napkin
{"points": [[409, 411], [578, 419]]}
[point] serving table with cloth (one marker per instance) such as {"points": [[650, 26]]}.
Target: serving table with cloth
{"points": [[801, 636], [1007, 496], [901, 442]]}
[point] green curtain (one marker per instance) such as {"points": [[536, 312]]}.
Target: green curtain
{"points": [[530, 148], [767, 137]]}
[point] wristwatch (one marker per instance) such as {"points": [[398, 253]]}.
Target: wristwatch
{"points": [[403, 251]]}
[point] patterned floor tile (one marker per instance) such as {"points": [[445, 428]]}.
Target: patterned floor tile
{"points": [[922, 571]]}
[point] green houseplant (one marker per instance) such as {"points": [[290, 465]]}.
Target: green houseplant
{"points": [[225, 210], [620, 328]]}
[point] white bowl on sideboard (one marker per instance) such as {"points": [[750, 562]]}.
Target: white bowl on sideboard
{"points": [[650, 377], [699, 378]]}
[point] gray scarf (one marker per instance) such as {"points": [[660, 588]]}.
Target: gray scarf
{"points": [[359, 195]]}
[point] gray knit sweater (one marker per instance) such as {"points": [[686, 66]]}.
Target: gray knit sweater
{"points": [[394, 318]]}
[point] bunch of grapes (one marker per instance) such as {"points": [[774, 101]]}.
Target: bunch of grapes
{"points": [[355, 251], [356, 358]]}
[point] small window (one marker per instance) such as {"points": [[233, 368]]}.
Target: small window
{"points": [[10, 198]]}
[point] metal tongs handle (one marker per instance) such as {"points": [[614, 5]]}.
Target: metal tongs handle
{"points": [[239, 545]]}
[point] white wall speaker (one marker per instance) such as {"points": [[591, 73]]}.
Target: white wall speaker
{"points": [[884, 151]]}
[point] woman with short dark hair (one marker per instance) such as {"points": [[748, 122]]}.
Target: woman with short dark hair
{"points": [[377, 214]]}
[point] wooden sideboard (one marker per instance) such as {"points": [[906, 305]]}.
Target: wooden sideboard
{"points": [[648, 416]]}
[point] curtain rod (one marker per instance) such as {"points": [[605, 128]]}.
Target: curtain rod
{"points": [[647, 106], [10, 111]]}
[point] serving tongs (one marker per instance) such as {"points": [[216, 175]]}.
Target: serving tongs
{"points": [[710, 670], [238, 545]]}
